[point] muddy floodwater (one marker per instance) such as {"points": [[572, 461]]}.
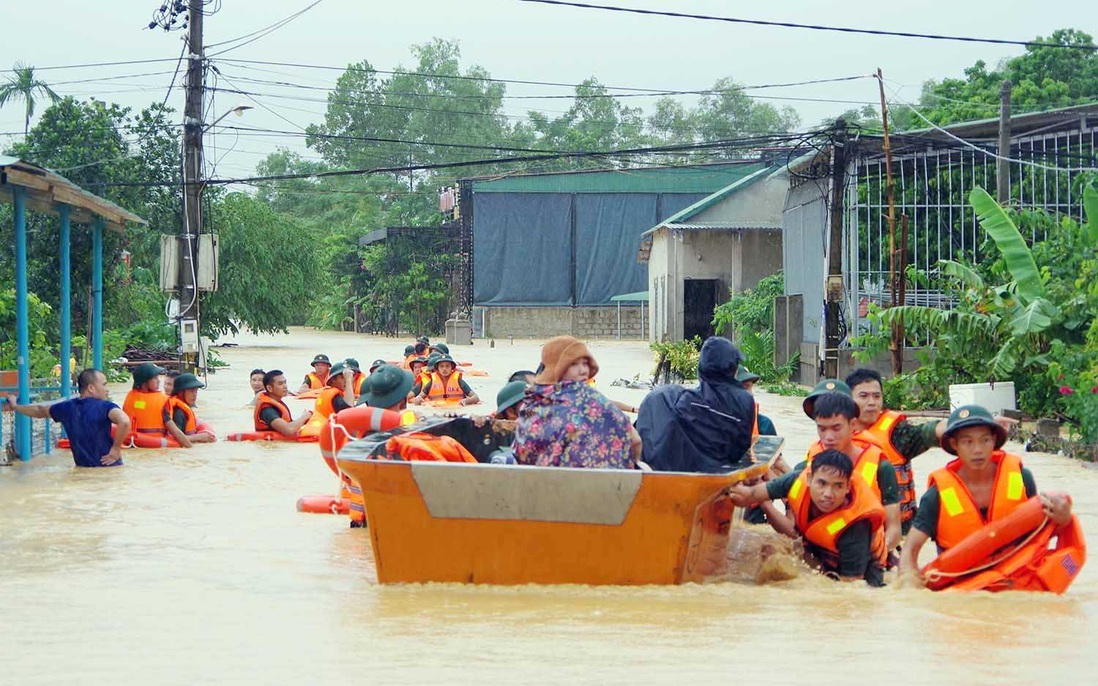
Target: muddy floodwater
{"points": [[192, 566]]}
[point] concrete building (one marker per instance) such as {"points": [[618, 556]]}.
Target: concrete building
{"points": [[549, 252], [723, 244]]}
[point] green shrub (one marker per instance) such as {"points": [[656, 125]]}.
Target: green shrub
{"points": [[680, 359]]}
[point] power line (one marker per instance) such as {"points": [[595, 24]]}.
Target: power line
{"points": [[812, 27], [729, 144], [97, 64], [261, 33]]}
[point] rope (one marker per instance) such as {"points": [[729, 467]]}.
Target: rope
{"points": [[936, 575]]}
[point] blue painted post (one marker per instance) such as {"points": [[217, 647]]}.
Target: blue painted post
{"points": [[97, 293], [66, 301], [22, 423]]}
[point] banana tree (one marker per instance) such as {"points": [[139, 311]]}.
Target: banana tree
{"points": [[998, 327]]}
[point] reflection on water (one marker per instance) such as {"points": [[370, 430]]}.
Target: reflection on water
{"points": [[193, 566]]}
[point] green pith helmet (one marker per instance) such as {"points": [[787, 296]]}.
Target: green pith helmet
{"points": [[388, 386], [185, 382], [409, 349], [824, 386], [431, 360], [509, 395], [744, 375], [967, 416], [146, 371]]}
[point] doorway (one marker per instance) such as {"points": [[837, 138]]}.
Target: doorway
{"points": [[699, 301]]}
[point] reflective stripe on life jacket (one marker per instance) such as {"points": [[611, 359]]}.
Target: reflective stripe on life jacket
{"points": [[190, 426], [880, 435], [958, 514], [324, 402], [866, 466], [146, 412], [315, 381], [824, 531], [445, 390], [262, 400]]}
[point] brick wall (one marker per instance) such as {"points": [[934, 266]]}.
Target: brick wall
{"points": [[581, 322]]}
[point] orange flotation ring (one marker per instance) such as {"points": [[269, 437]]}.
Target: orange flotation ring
{"points": [[137, 440], [268, 436], [1013, 553], [323, 504], [354, 423]]}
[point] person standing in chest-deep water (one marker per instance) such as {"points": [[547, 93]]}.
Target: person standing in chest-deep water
{"points": [[271, 412], [87, 420], [706, 429]]}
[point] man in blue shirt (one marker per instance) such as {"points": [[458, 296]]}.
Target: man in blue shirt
{"points": [[87, 421]]}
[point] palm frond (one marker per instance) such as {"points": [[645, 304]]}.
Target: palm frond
{"points": [[967, 275], [922, 319], [1035, 317], [1016, 254], [1090, 204]]}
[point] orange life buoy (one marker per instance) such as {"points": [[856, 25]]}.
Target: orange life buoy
{"points": [[136, 440], [993, 559], [323, 504], [354, 423], [268, 436]]}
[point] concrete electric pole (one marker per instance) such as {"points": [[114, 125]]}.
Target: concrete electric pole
{"points": [[192, 189]]}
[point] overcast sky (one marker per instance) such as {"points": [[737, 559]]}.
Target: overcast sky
{"points": [[517, 40]]}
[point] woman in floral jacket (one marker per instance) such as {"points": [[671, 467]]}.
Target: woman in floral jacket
{"points": [[565, 422]]}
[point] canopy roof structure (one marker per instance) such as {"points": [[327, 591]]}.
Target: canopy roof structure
{"points": [[28, 186]]}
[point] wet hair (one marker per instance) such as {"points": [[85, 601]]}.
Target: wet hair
{"points": [[270, 376], [861, 375], [835, 460], [520, 375], [834, 405], [255, 371], [86, 378]]}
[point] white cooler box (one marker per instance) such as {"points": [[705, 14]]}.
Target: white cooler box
{"points": [[995, 398]]}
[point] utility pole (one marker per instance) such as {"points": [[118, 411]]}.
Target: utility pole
{"points": [[1002, 169], [833, 291], [897, 345], [192, 189]]}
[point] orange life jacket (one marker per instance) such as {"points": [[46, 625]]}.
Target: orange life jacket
{"points": [[880, 435], [315, 381], [262, 400], [865, 467], [146, 412], [324, 402], [958, 515], [823, 531], [407, 363], [445, 390], [428, 447], [358, 379], [190, 426], [755, 426]]}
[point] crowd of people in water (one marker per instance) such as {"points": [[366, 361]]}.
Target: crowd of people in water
{"points": [[852, 499]]}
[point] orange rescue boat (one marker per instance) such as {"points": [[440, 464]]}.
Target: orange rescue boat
{"points": [[501, 524]]}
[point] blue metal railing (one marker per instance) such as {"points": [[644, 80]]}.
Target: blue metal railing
{"points": [[37, 394]]}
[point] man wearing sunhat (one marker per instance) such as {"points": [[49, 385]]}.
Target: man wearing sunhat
{"points": [[179, 417], [144, 404], [322, 367], [982, 485]]}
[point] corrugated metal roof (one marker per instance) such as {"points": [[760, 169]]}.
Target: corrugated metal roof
{"points": [[705, 178], [738, 226], [705, 203], [46, 190]]}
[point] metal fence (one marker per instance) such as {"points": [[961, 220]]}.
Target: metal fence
{"points": [[44, 432], [932, 181]]}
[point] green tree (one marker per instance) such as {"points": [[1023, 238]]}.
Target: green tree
{"points": [[269, 266], [1043, 78], [23, 85]]}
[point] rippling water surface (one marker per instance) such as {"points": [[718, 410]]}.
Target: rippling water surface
{"points": [[192, 566]]}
